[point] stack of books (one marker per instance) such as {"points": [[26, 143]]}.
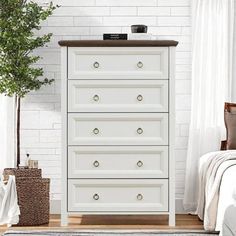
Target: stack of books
{"points": [[115, 36]]}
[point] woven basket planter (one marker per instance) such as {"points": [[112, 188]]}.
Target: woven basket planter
{"points": [[33, 196], [22, 173]]}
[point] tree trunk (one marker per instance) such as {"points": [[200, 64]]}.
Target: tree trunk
{"points": [[18, 130]]}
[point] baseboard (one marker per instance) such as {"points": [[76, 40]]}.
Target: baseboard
{"points": [[55, 206], [179, 209]]}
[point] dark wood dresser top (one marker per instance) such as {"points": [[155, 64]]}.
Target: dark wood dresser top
{"points": [[118, 43]]}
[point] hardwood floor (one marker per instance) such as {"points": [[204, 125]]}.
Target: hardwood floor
{"points": [[183, 222]]}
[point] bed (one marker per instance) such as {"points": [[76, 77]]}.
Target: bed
{"points": [[217, 181], [226, 215]]}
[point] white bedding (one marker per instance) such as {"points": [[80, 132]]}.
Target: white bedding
{"points": [[227, 202], [217, 188]]}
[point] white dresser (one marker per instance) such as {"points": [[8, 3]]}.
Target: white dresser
{"points": [[118, 128]]}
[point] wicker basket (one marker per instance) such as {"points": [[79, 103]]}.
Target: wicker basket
{"points": [[33, 196], [37, 173]]}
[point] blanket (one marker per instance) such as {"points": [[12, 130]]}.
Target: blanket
{"points": [[211, 170], [9, 209]]}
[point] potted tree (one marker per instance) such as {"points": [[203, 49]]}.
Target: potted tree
{"points": [[19, 20]]}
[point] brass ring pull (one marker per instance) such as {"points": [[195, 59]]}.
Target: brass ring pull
{"points": [[96, 64], [96, 164], [95, 196], [139, 197], [96, 131], [96, 98], [140, 64], [140, 98], [139, 163], [139, 130]]}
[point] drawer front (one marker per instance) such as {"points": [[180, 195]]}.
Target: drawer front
{"points": [[117, 195], [122, 162], [118, 129], [118, 96], [101, 63]]}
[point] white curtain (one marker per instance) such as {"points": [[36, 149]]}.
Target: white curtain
{"points": [[233, 90], [7, 140], [212, 45]]}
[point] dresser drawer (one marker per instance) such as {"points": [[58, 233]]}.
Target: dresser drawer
{"points": [[117, 195], [118, 129], [122, 162], [101, 63], [118, 96]]}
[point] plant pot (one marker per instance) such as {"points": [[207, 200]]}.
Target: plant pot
{"points": [[20, 172]]}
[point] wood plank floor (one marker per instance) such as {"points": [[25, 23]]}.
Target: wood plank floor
{"points": [[183, 222]]}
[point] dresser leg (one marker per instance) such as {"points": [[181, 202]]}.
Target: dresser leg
{"points": [[64, 219], [172, 220]]}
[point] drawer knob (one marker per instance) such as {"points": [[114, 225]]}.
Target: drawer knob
{"points": [[96, 98], [96, 64], [96, 131], [96, 164], [140, 64], [140, 197], [140, 98], [139, 130], [139, 163], [95, 196]]}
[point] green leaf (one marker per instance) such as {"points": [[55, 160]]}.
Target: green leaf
{"points": [[19, 21]]}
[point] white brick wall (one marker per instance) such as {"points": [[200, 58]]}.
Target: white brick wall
{"points": [[88, 19]]}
